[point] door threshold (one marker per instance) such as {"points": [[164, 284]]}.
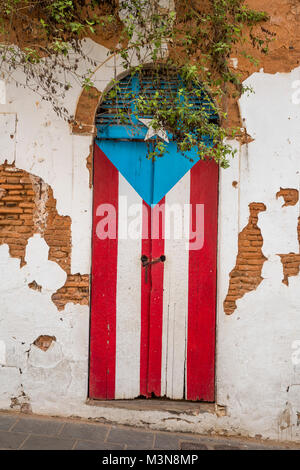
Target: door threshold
{"points": [[171, 406]]}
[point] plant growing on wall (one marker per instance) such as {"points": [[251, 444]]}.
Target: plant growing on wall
{"points": [[193, 41]]}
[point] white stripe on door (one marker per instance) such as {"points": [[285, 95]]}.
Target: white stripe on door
{"points": [[128, 316], [175, 301]]}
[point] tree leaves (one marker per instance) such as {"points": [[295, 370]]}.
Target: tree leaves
{"points": [[196, 41]]}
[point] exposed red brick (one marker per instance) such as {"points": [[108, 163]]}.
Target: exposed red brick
{"points": [[89, 165], [44, 342], [246, 275], [75, 290], [35, 286], [84, 122], [28, 207], [58, 234], [290, 196], [291, 261]]}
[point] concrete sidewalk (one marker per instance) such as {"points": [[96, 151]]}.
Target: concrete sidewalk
{"points": [[32, 432]]}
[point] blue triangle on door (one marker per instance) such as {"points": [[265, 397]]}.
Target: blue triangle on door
{"points": [[152, 180]]}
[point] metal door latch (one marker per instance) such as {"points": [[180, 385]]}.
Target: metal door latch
{"points": [[146, 262]]}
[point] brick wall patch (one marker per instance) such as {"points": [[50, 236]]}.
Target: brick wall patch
{"points": [[27, 206], [84, 122], [246, 275], [291, 261], [44, 342], [75, 290], [290, 196], [35, 286]]}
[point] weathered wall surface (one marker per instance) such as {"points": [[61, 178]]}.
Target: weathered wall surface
{"points": [[44, 313], [257, 372]]}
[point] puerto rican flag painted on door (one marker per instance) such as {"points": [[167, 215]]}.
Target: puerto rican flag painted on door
{"points": [[154, 256]]}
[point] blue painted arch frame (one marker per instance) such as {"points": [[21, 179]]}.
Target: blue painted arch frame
{"points": [[125, 146]]}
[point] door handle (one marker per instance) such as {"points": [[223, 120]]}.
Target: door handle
{"points": [[146, 262]]}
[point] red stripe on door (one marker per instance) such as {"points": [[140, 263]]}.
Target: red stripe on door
{"points": [[156, 299], [145, 300], [104, 281], [200, 374]]}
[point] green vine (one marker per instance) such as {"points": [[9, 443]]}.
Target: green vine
{"points": [[200, 38], [197, 39]]}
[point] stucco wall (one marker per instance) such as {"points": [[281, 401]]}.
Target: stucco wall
{"points": [[257, 375], [255, 344]]}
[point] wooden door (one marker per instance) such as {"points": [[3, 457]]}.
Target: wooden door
{"points": [[153, 270]]}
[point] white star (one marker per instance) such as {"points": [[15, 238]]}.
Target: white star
{"points": [[152, 132]]}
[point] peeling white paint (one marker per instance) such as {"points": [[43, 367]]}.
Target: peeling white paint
{"points": [[38, 268], [8, 122], [45, 359], [254, 344], [2, 92], [2, 353]]}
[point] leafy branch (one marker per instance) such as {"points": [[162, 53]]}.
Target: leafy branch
{"points": [[43, 38]]}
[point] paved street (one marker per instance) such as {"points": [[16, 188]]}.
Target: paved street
{"points": [[31, 432]]}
